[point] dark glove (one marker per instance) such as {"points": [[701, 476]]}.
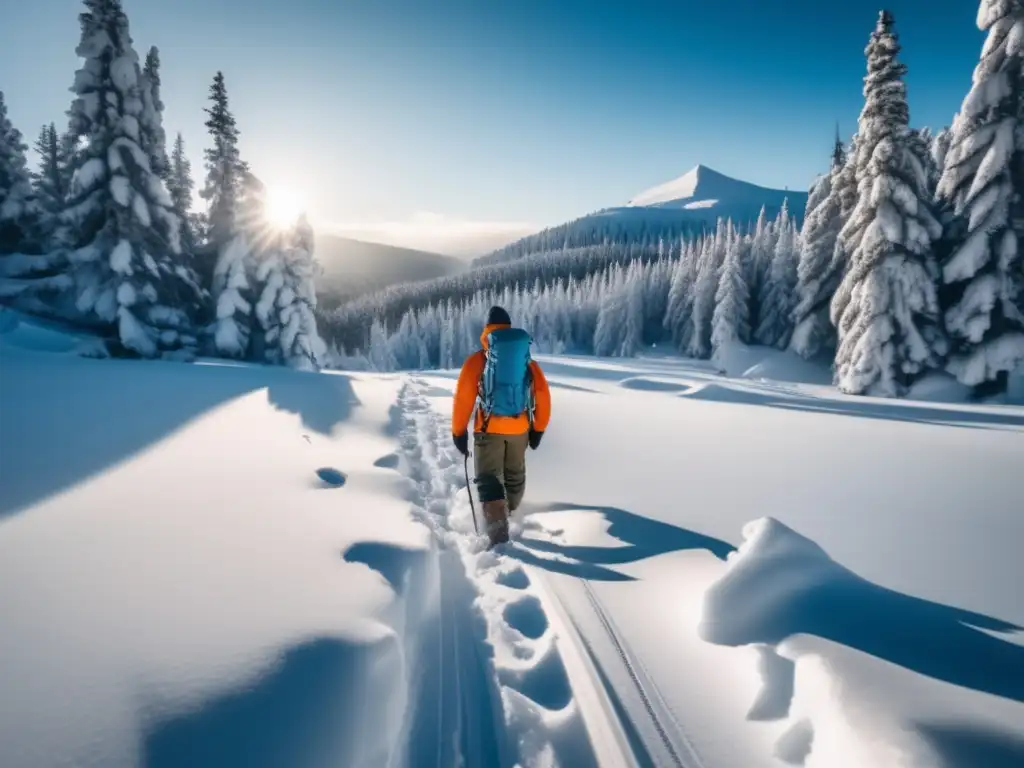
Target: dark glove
{"points": [[535, 437], [462, 443]]}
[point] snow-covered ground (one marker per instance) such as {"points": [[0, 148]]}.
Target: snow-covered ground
{"points": [[226, 565]]}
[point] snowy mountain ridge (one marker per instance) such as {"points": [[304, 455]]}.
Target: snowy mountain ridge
{"points": [[684, 206], [705, 188]]}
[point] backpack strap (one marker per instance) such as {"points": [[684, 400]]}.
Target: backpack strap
{"points": [[531, 395], [485, 407]]}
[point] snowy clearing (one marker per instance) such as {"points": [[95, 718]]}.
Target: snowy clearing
{"points": [[227, 564]]}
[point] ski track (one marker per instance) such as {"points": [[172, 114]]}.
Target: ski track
{"points": [[513, 670], [670, 732]]}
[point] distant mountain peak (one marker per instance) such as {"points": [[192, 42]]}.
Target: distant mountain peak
{"points": [[688, 204], [700, 183]]}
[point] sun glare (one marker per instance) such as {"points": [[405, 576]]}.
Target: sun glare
{"points": [[283, 207]]}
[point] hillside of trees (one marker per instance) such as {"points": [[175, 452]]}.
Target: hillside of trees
{"points": [[660, 215], [102, 236], [908, 261]]}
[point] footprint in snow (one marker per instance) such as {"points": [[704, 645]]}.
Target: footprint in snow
{"points": [[331, 476], [390, 461], [527, 615], [514, 579]]}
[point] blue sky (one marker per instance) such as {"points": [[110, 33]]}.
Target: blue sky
{"points": [[419, 120]]}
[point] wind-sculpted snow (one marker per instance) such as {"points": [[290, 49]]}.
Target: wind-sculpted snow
{"points": [[784, 595]]}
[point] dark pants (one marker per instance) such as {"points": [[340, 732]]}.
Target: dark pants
{"points": [[500, 467]]}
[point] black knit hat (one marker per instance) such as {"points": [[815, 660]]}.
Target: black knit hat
{"points": [[498, 316]]}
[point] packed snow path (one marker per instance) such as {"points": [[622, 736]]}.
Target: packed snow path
{"points": [[570, 689]]}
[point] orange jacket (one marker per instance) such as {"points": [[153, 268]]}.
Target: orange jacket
{"points": [[466, 393]]}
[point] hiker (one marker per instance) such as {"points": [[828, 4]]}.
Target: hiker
{"points": [[514, 409]]}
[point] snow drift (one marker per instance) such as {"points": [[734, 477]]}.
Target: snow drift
{"points": [[230, 564]]}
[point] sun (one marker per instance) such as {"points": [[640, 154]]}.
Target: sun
{"points": [[284, 207]]}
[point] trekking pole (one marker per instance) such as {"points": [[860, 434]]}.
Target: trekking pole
{"points": [[469, 492]]}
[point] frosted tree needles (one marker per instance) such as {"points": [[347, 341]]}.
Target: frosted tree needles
{"points": [[983, 184], [887, 305]]}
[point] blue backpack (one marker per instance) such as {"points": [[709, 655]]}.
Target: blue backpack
{"points": [[506, 386]]}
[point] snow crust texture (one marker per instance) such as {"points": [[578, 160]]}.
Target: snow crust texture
{"points": [[190, 584]]}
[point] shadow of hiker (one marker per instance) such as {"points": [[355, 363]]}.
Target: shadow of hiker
{"points": [[796, 588], [643, 538], [521, 551], [322, 400], [951, 416], [314, 708]]}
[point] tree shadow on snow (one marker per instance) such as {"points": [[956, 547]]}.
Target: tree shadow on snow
{"points": [[952, 415], [643, 537], [321, 400], [316, 708], [54, 437]]}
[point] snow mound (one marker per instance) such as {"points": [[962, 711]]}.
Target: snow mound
{"points": [[939, 387], [863, 658], [19, 332], [763, 363]]}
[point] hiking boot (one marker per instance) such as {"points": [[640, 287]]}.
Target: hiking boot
{"points": [[496, 517]]}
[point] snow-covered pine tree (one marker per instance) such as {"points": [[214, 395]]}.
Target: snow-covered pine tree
{"points": [[679, 314], [731, 320], [844, 187], [611, 321], [225, 171], [561, 322], [633, 333], [180, 186], [403, 344], [983, 184], [152, 137], [233, 286], [153, 140], [889, 332], [31, 278], [940, 148], [447, 342], [420, 339], [817, 273], [286, 308], [117, 227], [920, 143], [51, 181], [775, 326], [704, 292], [380, 352], [19, 211], [655, 304], [760, 264]]}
